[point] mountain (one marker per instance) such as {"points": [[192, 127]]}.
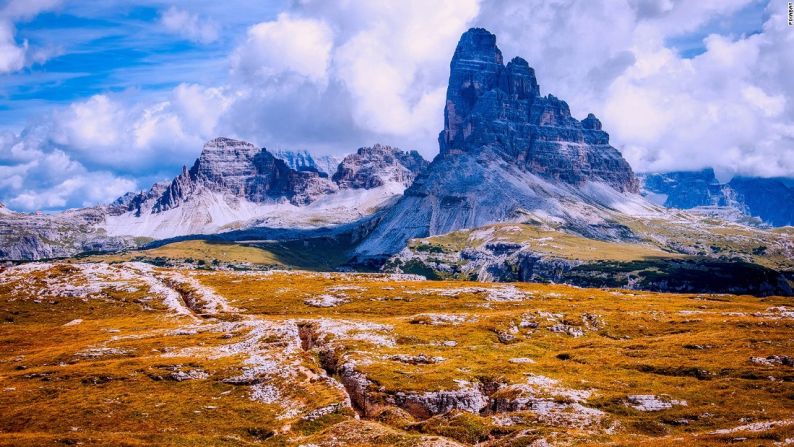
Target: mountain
{"points": [[769, 200], [305, 161], [26, 236], [522, 191], [508, 153], [372, 167], [233, 185]]}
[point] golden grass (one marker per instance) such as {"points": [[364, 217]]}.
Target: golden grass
{"points": [[690, 347], [546, 241], [196, 250]]}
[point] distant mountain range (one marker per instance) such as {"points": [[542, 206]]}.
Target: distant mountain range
{"points": [[233, 185], [770, 200], [520, 190]]}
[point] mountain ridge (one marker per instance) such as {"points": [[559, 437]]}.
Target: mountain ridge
{"points": [[232, 185], [506, 153], [769, 200]]}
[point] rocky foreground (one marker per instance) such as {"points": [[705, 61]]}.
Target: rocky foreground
{"points": [[131, 354]]}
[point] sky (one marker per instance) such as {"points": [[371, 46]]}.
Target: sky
{"points": [[101, 98]]}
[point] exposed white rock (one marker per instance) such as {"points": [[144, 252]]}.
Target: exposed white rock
{"points": [[649, 402], [773, 360], [377, 334], [549, 401], [755, 427], [420, 359], [326, 300], [521, 360], [573, 331], [97, 352]]}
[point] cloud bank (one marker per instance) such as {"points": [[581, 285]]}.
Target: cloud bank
{"points": [[333, 76]]}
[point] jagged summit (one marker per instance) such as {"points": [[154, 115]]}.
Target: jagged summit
{"points": [[234, 184], [240, 169], [493, 106], [371, 167], [507, 153]]}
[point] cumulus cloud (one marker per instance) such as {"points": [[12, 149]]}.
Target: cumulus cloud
{"points": [[41, 178], [118, 133], [12, 56], [190, 25], [727, 108], [336, 76], [286, 45], [15, 55]]}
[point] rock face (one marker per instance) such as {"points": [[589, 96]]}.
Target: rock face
{"points": [[306, 161], [490, 105], [38, 236], [769, 200], [371, 167], [500, 262], [242, 170], [233, 185], [684, 189], [507, 153]]}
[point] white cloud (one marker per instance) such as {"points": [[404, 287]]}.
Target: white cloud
{"points": [[79, 190], [335, 76], [26, 9], [15, 56], [12, 56], [395, 65], [293, 45], [43, 178], [726, 108], [190, 25], [120, 133]]}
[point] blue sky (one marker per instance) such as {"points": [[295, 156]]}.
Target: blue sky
{"points": [[114, 47], [97, 98]]}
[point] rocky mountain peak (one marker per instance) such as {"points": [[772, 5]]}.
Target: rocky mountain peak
{"points": [[477, 45], [506, 153], [240, 169], [769, 200], [371, 167], [498, 108]]}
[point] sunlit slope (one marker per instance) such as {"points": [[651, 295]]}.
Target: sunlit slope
{"points": [[677, 253]]}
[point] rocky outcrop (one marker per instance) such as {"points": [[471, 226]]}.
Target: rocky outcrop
{"points": [[138, 203], [371, 167], [490, 105], [507, 154], [684, 189], [767, 199], [771, 200], [233, 185], [242, 170], [41, 236], [519, 262]]}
